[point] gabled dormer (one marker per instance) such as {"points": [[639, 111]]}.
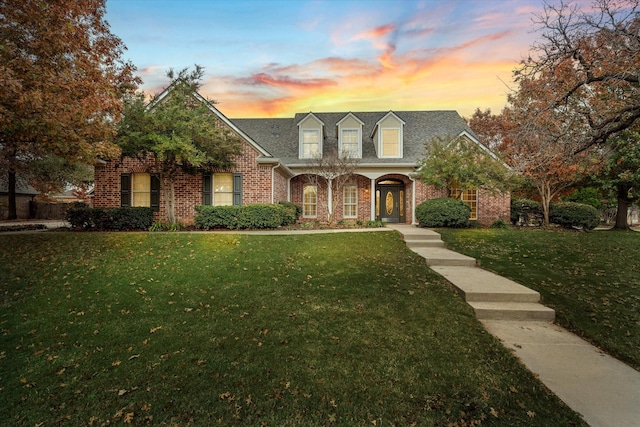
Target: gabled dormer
{"points": [[310, 137], [349, 130], [387, 136]]}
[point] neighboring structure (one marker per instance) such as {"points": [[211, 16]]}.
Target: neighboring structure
{"points": [[25, 194], [278, 155]]}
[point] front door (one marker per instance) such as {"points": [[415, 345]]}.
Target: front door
{"points": [[390, 203]]}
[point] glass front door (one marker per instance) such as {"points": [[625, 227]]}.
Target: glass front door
{"points": [[390, 203]]}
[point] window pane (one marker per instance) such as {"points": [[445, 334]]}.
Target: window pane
{"points": [[223, 189], [309, 202], [350, 202], [350, 142], [141, 189], [390, 142], [469, 197], [310, 140]]}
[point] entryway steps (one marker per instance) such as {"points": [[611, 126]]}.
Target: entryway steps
{"points": [[491, 296]]}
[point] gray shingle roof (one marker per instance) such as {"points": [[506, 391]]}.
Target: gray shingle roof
{"points": [[22, 186], [280, 136]]}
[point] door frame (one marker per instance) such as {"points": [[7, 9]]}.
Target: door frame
{"points": [[399, 194]]}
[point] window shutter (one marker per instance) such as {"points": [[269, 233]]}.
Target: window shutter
{"points": [[125, 190], [206, 189], [237, 188], [155, 193]]}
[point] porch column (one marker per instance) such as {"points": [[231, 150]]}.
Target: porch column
{"points": [[373, 199], [413, 201], [330, 196]]}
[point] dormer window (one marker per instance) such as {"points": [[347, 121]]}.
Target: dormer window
{"points": [[350, 136], [388, 136], [349, 143], [390, 142], [310, 143], [311, 135]]}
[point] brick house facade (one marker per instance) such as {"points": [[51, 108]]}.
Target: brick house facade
{"points": [[279, 154]]}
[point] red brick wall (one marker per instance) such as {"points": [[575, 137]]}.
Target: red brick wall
{"points": [[256, 184], [490, 207]]}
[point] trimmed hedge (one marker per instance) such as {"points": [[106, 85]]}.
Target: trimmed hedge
{"points": [[574, 215], [526, 212], [110, 219], [292, 213], [443, 212], [240, 217]]}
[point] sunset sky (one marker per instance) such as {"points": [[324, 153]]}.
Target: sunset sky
{"points": [[276, 58]]}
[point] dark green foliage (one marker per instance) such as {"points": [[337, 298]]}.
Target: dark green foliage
{"points": [[574, 215], [526, 212], [240, 217], [292, 213], [499, 223], [110, 219], [587, 196], [443, 212]]}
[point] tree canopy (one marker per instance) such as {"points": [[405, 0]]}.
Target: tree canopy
{"points": [[588, 60], [179, 131], [62, 79], [460, 161]]}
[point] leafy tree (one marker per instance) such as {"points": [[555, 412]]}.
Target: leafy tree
{"points": [[460, 161], [490, 128], [53, 174], [61, 84], [589, 60], [542, 147], [621, 174], [334, 170], [178, 131]]}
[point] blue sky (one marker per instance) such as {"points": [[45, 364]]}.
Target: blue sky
{"points": [[275, 58]]}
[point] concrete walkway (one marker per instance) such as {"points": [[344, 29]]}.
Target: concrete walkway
{"points": [[605, 391]]}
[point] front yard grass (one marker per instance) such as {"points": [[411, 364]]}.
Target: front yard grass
{"points": [[592, 279], [227, 329]]}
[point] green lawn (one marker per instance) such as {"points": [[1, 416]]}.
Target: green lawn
{"points": [[222, 329], [592, 279]]}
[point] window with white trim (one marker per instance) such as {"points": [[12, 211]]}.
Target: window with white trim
{"points": [[390, 142], [349, 143], [350, 202], [310, 143], [310, 201]]}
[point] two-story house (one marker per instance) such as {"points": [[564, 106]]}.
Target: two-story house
{"points": [[279, 154]]}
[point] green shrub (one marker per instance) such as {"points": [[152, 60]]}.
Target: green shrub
{"points": [[444, 212], [526, 212], [240, 217], [587, 196], [574, 215], [110, 219], [374, 224], [292, 213], [499, 223]]}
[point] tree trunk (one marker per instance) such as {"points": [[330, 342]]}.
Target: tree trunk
{"points": [[623, 207], [545, 196], [11, 183]]}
